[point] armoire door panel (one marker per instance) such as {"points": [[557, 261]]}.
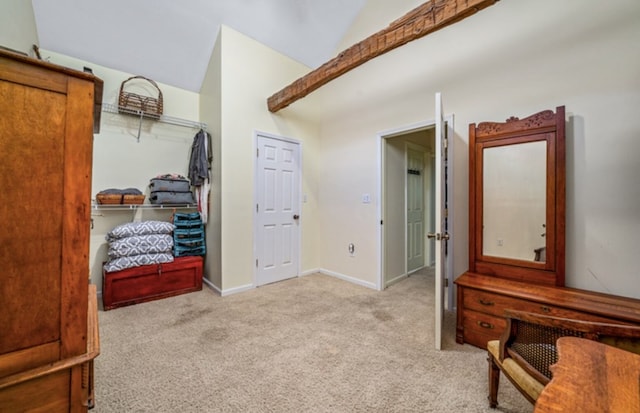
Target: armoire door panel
{"points": [[33, 150]]}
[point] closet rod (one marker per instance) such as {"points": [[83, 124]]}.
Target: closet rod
{"points": [[113, 108]]}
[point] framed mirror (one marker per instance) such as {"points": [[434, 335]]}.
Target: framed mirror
{"points": [[517, 198]]}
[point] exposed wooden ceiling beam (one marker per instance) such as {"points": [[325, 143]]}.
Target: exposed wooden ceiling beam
{"points": [[424, 19]]}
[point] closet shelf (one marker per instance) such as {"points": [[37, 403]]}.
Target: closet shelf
{"points": [[121, 207], [114, 108]]}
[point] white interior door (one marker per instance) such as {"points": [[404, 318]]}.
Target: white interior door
{"points": [[277, 209], [440, 235], [415, 210]]}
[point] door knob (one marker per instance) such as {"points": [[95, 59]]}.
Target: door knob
{"points": [[296, 217]]}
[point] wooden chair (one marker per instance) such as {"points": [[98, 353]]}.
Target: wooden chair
{"points": [[527, 348]]}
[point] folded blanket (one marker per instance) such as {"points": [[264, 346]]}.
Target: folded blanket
{"points": [[140, 244], [118, 264], [132, 229]]}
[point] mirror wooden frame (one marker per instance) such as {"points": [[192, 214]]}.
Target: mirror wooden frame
{"points": [[543, 126]]}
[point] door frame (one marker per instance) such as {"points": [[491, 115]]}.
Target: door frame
{"points": [[256, 135], [402, 130]]}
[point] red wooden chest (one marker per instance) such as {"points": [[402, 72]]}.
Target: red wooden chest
{"points": [[151, 282]]}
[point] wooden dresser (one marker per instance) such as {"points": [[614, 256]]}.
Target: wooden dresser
{"points": [[517, 231], [48, 328], [482, 300]]}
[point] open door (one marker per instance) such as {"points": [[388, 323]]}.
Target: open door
{"points": [[440, 235]]}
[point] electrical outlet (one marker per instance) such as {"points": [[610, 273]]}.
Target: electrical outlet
{"points": [[500, 243], [352, 249]]}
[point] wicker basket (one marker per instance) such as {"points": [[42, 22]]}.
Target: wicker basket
{"points": [[133, 103], [119, 199]]}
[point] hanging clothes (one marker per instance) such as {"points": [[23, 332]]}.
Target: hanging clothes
{"points": [[199, 170]]}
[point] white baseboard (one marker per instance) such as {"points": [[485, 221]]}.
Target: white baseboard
{"points": [[237, 290], [211, 285], [309, 272], [348, 278], [395, 280], [248, 287], [229, 291]]}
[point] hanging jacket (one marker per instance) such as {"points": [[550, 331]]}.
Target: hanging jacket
{"points": [[200, 158]]}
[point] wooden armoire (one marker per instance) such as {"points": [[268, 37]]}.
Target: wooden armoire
{"points": [[48, 311]]}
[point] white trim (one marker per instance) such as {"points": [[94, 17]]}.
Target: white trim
{"points": [[309, 272], [449, 121], [256, 134], [406, 214], [380, 231], [352, 280], [231, 291], [237, 290], [397, 279], [211, 285], [402, 130]]}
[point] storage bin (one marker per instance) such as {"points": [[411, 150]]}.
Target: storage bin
{"points": [[151, 282], [181, 252], [187, 220]]}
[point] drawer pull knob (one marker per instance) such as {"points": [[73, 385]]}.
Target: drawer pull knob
{"points": [[545, 309], [484, 324], [486, 302]]}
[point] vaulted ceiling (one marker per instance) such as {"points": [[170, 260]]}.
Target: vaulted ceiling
{"points": [[171, 41]]}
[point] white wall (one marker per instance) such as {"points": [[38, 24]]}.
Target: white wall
{"points": [[250, 73], [18, 26], [121, 161], [513, 58]]}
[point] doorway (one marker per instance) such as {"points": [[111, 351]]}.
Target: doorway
{"points": [[409, 202]]}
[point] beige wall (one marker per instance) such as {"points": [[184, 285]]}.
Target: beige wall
{"points": [[250, 73], [18, 26], [513, 58], [211, 113]]}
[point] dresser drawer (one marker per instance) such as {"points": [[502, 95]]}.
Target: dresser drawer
{"points": [[480, 328], [496, 304]]}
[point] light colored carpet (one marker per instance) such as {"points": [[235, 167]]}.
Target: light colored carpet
{"points": [[310, 344]]}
